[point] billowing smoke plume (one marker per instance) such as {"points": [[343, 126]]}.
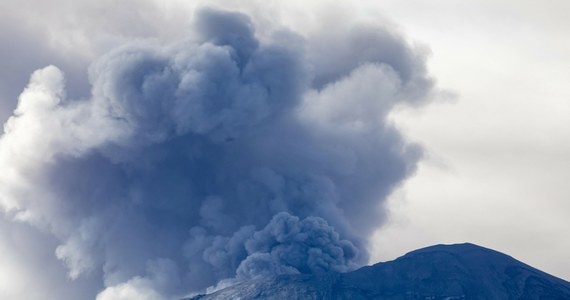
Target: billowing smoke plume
{"points": [[226, 156]]}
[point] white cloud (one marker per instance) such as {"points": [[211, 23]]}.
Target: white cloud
{"points": [[135, 289]]}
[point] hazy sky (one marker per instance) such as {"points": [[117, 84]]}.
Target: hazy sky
{"points": [[499, 155], [491, 116]]}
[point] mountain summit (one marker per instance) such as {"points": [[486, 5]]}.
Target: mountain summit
{"points": [[461, 271]]}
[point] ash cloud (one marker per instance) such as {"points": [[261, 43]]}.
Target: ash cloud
{"points": [[225, 156], [288, 245]]}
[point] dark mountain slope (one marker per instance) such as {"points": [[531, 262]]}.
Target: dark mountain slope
{"points": [[463, 271]]}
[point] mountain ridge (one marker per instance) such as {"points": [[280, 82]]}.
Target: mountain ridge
{"points": [[459, 271]]}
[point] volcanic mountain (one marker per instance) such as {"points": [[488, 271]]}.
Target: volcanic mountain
{"points": [[461, 271]]}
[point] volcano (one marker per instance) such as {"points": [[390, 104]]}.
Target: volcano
{"points": [[460, 271]]}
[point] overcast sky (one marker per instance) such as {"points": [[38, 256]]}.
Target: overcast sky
{"points": [[499, 155], [494, 132]]}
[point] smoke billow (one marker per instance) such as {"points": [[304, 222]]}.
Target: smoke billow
{"points": [[225, 156]]}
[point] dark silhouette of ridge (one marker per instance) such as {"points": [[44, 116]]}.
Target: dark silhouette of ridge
{"points": [[460, 271]]}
